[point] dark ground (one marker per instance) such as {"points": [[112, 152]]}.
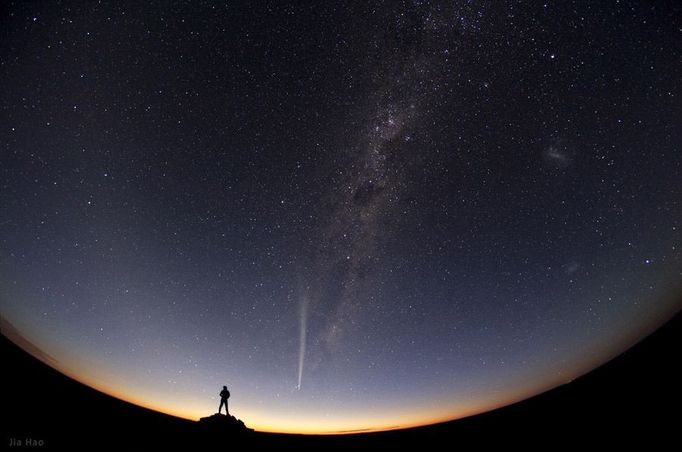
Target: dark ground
{"points": [[632, 400]]}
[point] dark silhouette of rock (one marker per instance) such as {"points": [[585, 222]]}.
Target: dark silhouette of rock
{"points": [[219, 429], [223, 425]]}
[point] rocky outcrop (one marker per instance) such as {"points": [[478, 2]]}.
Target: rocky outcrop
{"points": [[223, 425]]}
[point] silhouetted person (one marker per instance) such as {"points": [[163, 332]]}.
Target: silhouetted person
{"points": [[224, 395]]}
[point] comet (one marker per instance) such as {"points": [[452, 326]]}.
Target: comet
{"points": [[302, 339]]}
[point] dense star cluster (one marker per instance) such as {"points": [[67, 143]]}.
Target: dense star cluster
{"points": [[357, 215]]}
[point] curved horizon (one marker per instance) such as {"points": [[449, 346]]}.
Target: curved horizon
{"points": [[10, 332]]}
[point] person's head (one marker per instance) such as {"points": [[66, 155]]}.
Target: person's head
{"points": [[224, 387]]}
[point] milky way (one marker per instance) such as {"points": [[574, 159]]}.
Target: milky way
{"points": [[370, 188], [354, 215]]}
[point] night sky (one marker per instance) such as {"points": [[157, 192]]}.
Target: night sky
{"points": [[356, 216]]}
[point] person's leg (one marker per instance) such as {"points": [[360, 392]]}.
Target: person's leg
{"points": [[220, 407]]}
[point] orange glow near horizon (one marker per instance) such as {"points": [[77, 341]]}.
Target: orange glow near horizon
{"points": [[356, 425], [252, 418], [280, 419], [285, 424]]}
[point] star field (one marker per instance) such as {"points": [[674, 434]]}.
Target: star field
{"points": [[354, 215]]}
